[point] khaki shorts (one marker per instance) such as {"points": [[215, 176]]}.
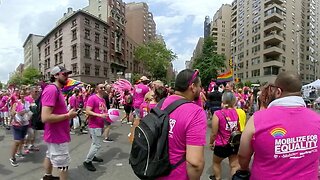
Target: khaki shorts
{"points": [[58, 154]]}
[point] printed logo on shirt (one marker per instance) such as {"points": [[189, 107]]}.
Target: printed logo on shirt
{"points": [[233, 125], [172, 123], [293, 147], [138, 90]]}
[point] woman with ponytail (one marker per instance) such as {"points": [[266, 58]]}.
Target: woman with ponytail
{"points": [[224, 122]]}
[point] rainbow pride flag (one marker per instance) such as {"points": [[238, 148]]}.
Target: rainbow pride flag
{"points": [[71, 83], [225, 77]]}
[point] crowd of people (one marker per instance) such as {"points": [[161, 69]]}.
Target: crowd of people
{"points": [[273, 132]]}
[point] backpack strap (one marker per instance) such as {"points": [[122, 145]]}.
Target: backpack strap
{"points": [[169, 109], [179, 162]]}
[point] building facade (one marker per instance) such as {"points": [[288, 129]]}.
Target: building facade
{"points": [[266, 40], [221, 31], [206, 27], [196, 52], [79, 43], [140, 25], [31, 51]]}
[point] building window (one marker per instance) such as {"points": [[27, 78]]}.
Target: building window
{"points": [[87, 51], [96, 37], [99, 16], [74, 51], [255, 73], [56, 44], [87, 69], [97, 25], [74, 34], [60, 57], [87, 34], [97, 54], [105, 71], [74, 23], [99, 8], [105, 41], [56, 59], [97, 70], [60, 42], [75, 68], [86, 21], [105, 56], [105, 30]]}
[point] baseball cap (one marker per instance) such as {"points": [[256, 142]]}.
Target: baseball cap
{"points": [[58, 69], [144, 78]]}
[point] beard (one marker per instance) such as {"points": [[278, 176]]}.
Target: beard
{"points": [[63, 82], [197, 96]]}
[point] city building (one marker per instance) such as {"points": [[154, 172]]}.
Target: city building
{"points": [[31, 51], [81, 44], [275, 35], [112, 12], [140, 25], [20, 68], [221, 31], [196, 52], [206, 27]]}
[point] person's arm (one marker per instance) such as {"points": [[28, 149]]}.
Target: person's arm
{"points": [[48, 117], [215, 127], [91, 113], [195, 161], [245, 149]]}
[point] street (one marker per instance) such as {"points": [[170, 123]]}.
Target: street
{"points": [[115, 166]]}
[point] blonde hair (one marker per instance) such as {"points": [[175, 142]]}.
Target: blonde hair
{"points": [[228, 99]]}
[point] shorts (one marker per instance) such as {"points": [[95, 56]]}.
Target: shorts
{"points": [[58, 154], [19, 132], [4, 114], [127, 109], [136, 113], [225, 151]]}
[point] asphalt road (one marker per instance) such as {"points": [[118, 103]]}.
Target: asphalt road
{"points": [[115, 166]]}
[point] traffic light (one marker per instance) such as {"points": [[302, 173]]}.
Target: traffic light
{"points": [[230, 62]]}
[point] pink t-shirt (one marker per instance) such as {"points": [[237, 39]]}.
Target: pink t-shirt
{"points": [[144, 108], [58, 132], [29, 99], [98, 105], [224, 131], [4, 101], [74, 102], [188, 124], [286, 143], [140, 91]]}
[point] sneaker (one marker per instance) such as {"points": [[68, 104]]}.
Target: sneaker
{"points": [[50, 177], [72, 133], [8, 127], [84, 132], [33, 148], [13, 162], [129, 123], [124, 121], [96, 159], [19, 155], [107, 140], [89, 166], [212, 177]]}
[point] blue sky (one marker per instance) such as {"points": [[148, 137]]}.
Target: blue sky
{"points": [[179, 21]]}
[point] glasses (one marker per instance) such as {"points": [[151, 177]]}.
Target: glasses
{"points": [[194, 76], [102, 88]]}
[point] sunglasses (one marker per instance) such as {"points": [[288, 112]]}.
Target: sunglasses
{"points": [[102, 88], [64, 74], [194, 76]]}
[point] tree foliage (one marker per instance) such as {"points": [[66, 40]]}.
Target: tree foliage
{"points": [[30, 76], [209, 62], [156, 58]]}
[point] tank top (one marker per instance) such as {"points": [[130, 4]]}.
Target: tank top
{"points": [[286, 144]]}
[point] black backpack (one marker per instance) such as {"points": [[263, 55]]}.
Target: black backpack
{"points": [[235, 136], [36, 121], [149, 157]]}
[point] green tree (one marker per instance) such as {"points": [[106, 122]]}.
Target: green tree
{"points": [[15, 79], [30, 76], [156, 58], [248, 83], [209, 62]]}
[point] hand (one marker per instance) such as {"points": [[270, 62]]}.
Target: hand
{"points": [[72, 113], [104, 116]]}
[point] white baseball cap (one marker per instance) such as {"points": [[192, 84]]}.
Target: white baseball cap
{"points": [[58, 69]]}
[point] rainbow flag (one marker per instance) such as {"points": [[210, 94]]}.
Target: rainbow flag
{"points": [[71, 83], [225, 77]]}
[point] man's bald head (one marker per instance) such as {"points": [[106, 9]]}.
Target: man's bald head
{"points": [[289, 82]]}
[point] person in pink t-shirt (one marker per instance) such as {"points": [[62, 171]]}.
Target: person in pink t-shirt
{"points": [[140, 91], [56, 117], [97, 111], [187, 134], [284, 138], [5, 110]]}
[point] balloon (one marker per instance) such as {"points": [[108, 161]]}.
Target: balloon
{"points": [[114, 115]]}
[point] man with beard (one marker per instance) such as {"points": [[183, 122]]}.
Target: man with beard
{"points": [[187, 128], [283, 136], [56, 117]]}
